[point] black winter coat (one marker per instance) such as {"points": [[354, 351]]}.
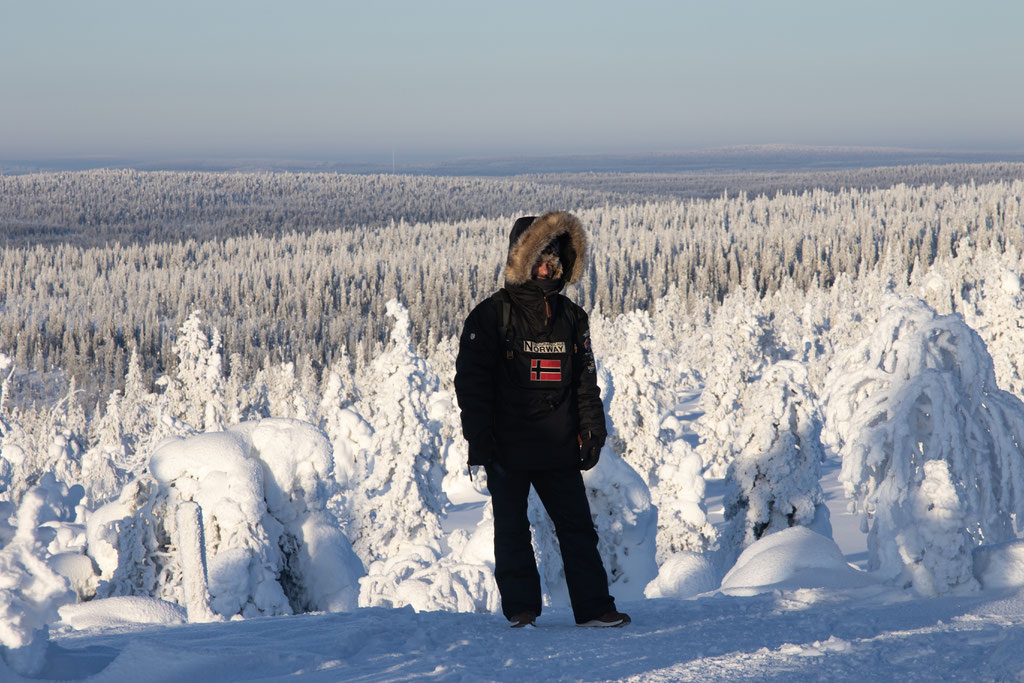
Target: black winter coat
{"points": [[526, 399]]}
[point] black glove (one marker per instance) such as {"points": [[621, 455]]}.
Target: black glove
{"points": [[483, 451], [590, 449]]}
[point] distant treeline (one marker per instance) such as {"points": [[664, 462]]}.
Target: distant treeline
{"points": [[97, 208], [312, 296], [709, 185]]}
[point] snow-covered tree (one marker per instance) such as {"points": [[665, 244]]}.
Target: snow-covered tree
{"points": [[282, 390], [30, 592], [773, 482], [641, 379], [104, 465], [398, 508], [215, 407], [639, 388], [129, 538], [194, 393], [742, 344], [350, 435], [136, 410], [271, 545], [351, 439], [306, 403], [677, 492], [12, 436], [921, 389], [998, 317], [51, 443]]}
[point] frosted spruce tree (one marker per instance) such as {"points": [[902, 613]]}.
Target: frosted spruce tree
{"points": [[396, 514], [35, 443], [282, 390], [742, 344], [998, 316], [136, 409], [640, 384], [677, 491], [639, 388], [105, 463], [194, 392], [351, 439], [350, 434], [12, 437], [931, 447], [30, 592], [773, 483]]}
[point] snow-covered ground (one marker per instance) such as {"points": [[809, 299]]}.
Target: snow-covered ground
{"points": [[866, 634], [817, 623]]}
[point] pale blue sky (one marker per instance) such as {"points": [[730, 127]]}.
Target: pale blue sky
{"points": [[352, 80]]}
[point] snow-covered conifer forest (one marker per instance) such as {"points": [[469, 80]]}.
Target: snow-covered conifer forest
{"points": [[229, 396]]}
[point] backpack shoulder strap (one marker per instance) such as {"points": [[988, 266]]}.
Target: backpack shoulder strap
{"points": [[505, 332], [571, 313], [506, 313], [570, 308]]}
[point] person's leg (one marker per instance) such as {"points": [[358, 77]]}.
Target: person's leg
{"points": [[565, 499], [515, 568]]}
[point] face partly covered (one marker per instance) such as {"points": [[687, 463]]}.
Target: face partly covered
{"points": [[542, 271], [548, 265]]}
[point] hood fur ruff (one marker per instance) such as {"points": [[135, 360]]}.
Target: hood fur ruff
{"points": [[525, 250]]}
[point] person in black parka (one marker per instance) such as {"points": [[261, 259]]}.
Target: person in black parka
{"points": [[526, 383]]}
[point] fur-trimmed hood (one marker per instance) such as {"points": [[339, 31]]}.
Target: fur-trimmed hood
{"points": [[530, 235]]}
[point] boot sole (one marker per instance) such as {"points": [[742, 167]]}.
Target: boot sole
{"points": [[594, 623]]}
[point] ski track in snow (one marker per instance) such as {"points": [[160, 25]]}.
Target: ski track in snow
{"points": [[806, 634]]}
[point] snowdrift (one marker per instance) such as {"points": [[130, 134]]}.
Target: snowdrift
{"points": [[791, 559]]}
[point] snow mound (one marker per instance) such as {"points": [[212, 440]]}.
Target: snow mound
{"points": [[78, 569], [1000, 565], [792, 558], [683, 575], [123, 610]]}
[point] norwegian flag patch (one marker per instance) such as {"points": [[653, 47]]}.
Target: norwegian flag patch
{"points": [[545, 370]]}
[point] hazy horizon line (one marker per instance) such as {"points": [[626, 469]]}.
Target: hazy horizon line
{"points": [[709, 159]]}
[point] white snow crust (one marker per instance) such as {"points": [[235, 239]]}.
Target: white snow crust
{"points": [[124, 610]]}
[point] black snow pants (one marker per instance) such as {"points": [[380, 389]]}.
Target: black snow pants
{"points": [[515, 568]]}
